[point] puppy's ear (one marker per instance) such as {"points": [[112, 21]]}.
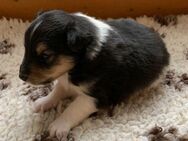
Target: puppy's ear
{"points": [[78, 40]]}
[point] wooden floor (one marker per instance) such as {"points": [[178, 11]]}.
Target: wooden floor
{"points": [[27, 9]]}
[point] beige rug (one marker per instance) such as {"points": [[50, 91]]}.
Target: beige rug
{"points": [[166, 106]]}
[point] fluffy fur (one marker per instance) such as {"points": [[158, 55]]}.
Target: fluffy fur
{"points": [[103, 61]]}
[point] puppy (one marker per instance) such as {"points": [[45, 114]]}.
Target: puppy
{"points": [[98, 63]]}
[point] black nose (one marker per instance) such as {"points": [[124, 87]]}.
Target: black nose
{"points": [[23, 76], [23, 72]]}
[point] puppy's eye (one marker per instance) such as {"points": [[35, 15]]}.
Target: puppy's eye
{"points": [[46, 56]]}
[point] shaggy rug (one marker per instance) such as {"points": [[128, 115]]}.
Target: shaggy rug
{"points": [[158, 114]]}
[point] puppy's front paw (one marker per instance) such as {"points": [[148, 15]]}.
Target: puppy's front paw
{"points": [[44, 104], [59, 129]]}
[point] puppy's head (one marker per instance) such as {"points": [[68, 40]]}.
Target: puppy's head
{"points": [[54, 42]]}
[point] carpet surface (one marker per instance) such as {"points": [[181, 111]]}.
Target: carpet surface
{"points": [[165, 106]]}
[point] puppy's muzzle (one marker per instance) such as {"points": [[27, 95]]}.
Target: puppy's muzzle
{"points": [[23, 77], [23, 73]]}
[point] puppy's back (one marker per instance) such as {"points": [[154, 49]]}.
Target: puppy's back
{"points": [[141, 38]]}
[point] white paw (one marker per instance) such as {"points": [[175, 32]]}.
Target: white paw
{"points": [[43, 104], [59, 129]]}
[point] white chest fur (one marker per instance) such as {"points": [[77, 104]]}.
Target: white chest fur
{"points": [[71, 89]]}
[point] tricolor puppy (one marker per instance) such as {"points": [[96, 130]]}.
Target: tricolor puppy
{"points": [[99, 63]]}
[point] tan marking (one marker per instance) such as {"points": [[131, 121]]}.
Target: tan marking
{"points": [[39, 75], [40, 48]]}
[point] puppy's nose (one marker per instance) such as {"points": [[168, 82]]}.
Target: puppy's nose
{"points": [[23, 76], [23, 72]]}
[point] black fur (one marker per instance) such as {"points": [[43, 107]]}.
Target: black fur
{"points": [[131, 59]]}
